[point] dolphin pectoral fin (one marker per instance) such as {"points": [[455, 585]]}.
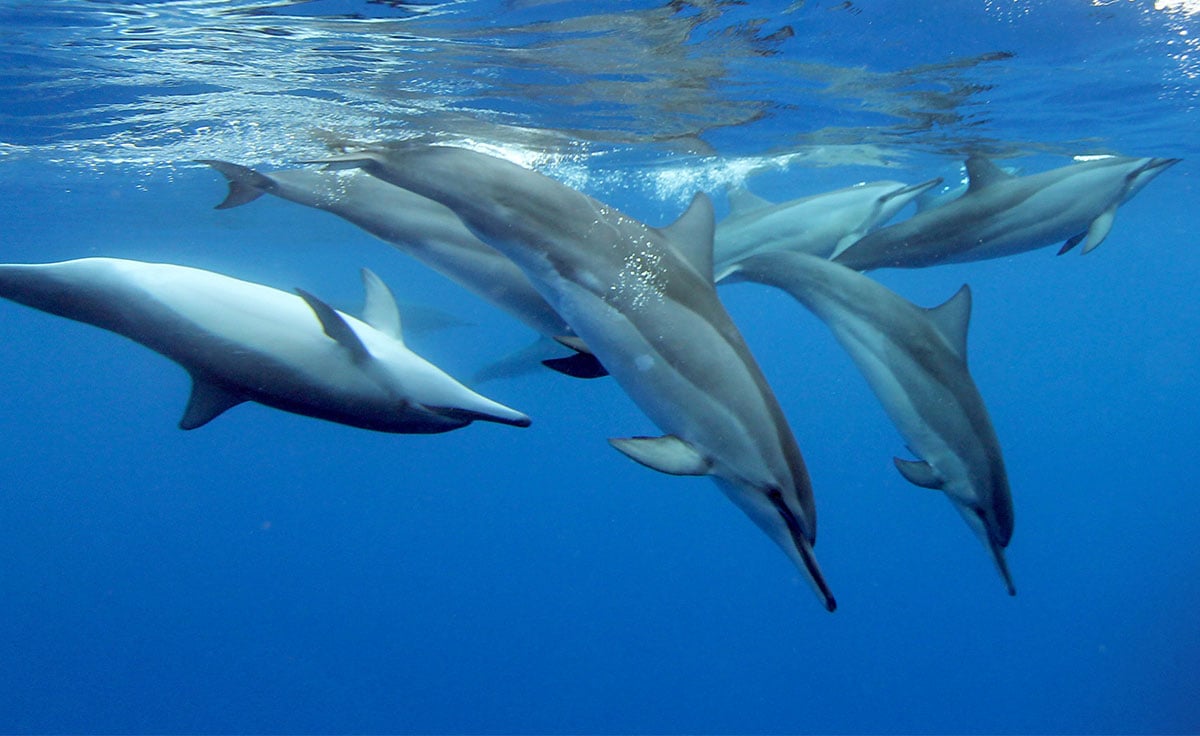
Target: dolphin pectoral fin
{"points": [[1099, 229], [1071, 243], [380, 310], [574, 343], [919, 473], [666, 454], [579, 365], [245, 184], [336, 327], [207, 402]]}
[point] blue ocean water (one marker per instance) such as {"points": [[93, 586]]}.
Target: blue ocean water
{"points": [[274, 573]]}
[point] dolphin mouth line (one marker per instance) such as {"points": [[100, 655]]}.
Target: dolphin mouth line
{"points": [[803, 547]]}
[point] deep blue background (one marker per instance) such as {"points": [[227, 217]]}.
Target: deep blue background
{"points": [[275, 573]]}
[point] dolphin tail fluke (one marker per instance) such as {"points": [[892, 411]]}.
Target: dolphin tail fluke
{"points": [[245, 184]]}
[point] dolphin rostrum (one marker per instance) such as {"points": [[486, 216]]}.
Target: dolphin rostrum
{"points": [[821, 225], [1002, 215], [915, 361], [419, 227], [643, 300], [242, 341]]}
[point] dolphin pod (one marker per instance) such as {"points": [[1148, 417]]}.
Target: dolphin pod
{"points": [[419, 227], [643, 300], [242, 341], [634, 301], [915, 361], [1002, 215]]}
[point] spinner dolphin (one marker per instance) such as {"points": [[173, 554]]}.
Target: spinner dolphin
{"points": [[242, 341]]}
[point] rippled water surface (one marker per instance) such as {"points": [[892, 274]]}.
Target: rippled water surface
{"points": [[270, 573]]}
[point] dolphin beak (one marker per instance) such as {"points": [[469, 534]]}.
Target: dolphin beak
{"points": [[913, 190], [804, 551], [1002, 566]]}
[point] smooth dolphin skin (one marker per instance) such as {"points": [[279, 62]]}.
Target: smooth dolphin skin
{"points": [[1002, 215], [643, 300], [417, 226], [821, 225], [915, 361], [242, 341]]}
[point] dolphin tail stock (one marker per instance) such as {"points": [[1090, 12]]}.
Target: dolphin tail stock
{"points": [[245, 184]]}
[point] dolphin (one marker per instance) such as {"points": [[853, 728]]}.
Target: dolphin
{"points": [[242, 341], [915, 361], [821, 225], [643, 300], [1002, 215], [419, 227]]}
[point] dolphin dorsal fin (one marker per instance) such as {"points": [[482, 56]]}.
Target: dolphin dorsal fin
{"points": [[952, 318], [379, 309], [981, 172], [336, 327], [666, 454], [692, 235], [207, 402], [742, 201]]}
